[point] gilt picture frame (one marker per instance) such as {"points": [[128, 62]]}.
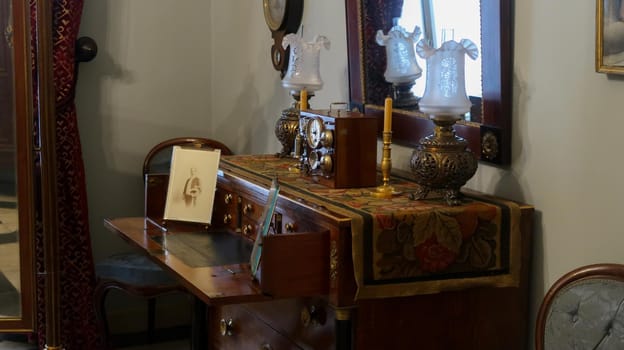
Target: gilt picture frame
{"points": [[192, 184], [610, 36]]}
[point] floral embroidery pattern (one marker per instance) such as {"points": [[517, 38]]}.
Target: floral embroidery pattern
{"points": [[437, 241]]}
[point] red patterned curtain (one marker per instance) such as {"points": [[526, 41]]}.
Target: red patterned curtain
{"points": [[77, 275]]}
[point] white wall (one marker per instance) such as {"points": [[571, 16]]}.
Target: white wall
{"points": [[202, 68]]}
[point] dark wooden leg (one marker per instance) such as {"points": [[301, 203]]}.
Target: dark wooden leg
{"points": [[151, 316], [101, 290], [199, 325], [344, 329]]}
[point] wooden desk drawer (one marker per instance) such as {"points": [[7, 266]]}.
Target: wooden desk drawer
{"points": [[225, 209], [309, 322], [295, 264], [296, 222], [232, 327], [249, 227]]}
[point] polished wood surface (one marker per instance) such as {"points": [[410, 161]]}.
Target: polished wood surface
{"points": [[212, 284], [311, 277], [295, 264]]}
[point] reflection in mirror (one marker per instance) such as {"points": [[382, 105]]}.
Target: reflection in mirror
{"points": [[16, 170], [9, 246], [462, 19], [487, 23]]}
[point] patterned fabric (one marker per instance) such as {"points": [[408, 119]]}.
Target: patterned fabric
{"points": [[403, 247], [77, 275]]}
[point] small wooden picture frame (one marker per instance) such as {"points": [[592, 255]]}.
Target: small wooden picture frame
{"points": [[192, 184]]}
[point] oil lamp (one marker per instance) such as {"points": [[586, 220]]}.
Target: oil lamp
{"points": [[442, 161], [303, 73]]}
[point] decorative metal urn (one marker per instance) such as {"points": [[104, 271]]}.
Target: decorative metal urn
{"points": [[287, 126], [442, 161]]}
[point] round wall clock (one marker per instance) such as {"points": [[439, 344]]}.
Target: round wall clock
{"points": [[274, 13], [282, 17]]}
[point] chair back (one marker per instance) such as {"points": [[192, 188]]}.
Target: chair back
{"points": [[584, 309], [158, 159]]}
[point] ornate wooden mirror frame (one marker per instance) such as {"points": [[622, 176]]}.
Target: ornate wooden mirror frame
{"points": [[17, 153], [490, 139], [32, 153]]}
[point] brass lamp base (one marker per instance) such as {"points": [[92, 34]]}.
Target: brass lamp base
{"points": [[442, 162], [403, 95], [287, 126]]}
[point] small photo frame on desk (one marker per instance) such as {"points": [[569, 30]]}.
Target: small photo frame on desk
{"points": [[263, 226], [192, 185]]}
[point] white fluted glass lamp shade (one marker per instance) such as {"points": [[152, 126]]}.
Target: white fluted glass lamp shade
{"points": [[445, 90], [401, 64], [304, 62]]}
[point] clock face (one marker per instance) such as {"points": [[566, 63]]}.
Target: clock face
{"points": [[274, 13], [314, 129]]}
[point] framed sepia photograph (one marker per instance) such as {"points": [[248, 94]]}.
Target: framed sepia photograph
{"points": [[610, 36], [192, 184]]}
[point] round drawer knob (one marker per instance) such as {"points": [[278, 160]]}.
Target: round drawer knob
{"points": [[247, 209], [228, 198], [227, 218], [289, 227], [313, 316], [247, 229], [226, 327]]}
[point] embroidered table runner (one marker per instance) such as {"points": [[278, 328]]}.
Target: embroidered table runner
{"points": [[403, 247]]}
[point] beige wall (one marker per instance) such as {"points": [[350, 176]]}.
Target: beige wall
{"points": [[201, 67]]}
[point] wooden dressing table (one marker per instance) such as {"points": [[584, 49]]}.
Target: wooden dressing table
{"points": [[338, 272]]}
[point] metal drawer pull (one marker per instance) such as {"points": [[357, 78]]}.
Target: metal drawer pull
{"points": [[226, 327], [247, 229], [227, 218], [313, 316], [248, 209], [228, 198], [290, 227]]}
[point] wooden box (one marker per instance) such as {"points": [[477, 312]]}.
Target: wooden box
{"points": [[345, 152]]}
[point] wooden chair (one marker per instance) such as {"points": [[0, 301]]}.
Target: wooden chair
{"points": [[134, 273], [584, 309]]}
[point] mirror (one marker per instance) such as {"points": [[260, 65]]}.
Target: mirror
{"points": [[487, 126], [16, 170]]}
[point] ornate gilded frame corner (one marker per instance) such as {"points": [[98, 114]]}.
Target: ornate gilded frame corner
{"points": [[604, 62]]}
